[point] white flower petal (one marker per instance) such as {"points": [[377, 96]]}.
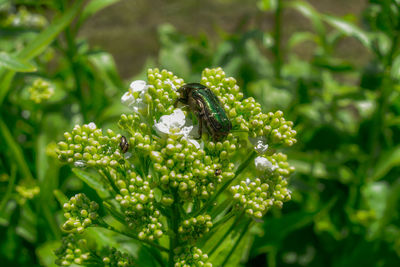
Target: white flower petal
{"points": [[194, 142], [138, 86], [127, 99], [169, 82], [262, 164], [260, 144], [92, 126]]}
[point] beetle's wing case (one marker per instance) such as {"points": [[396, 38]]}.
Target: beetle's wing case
{"points": [[214, 112]]}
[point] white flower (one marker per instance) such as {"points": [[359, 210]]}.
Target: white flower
{"points": [[263, 164], [169, 82], [92, 126], [174, 124], [260, 144], [79, 164], [135, 97]]}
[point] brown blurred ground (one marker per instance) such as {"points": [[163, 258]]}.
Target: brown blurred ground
{"points": [[128, 29]]}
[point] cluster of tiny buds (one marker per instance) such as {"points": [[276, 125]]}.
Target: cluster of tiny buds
{"points": [[72, 250], [191, 256], [280, 164], [40, 90], [163, 87], [180, 165], [137, 201], [115, 258], [27, 192], [246, 115], [80, 213], [256, 197], [195, 227], [253, 197], [23, 18], [87, 146]]}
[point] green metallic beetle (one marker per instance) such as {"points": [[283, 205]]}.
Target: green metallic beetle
{"points": [[207, 107]]}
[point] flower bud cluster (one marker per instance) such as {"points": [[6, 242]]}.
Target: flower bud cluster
{"points": [[115, 258], [279, 165], [40, 91], [163, 86], [23, 19], [27, 192], [195, 227], [137, 202], [246, 114], [87, 146], [72, 250], [182, 167], [253, 197], [191, 256], [166, 166], [257, 195], [80, 213]]}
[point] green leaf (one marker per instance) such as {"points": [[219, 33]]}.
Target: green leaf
{"points": [[309, 12], [92, 180], [93, 7], [106, 70], [61, 198], [348, 29], [395, 71], [39, 44], [15, 64], [45, 253], [300, 37], [15, 150], [386, 162], [46, 37], [267, 5]]}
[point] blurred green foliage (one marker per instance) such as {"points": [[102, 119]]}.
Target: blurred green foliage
{"points": [[346, 187]]}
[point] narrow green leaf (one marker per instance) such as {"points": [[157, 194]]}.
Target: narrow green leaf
{"points": [[6, 77], [39, 44], [15, 64], [93, 7], [92, 180], [267, 5], [45, 253], [386, 162], [348, 29], [309, 12], [106, 70], [46, 37], [61, 198], [15, 150], [395, 71]]}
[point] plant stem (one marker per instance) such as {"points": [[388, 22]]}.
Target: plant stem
{"points": [[383, 101], [174, 237], [109, 227], [16, 151], [238, 171], [234, 224], [10, 187], [277, 37], [242, 234]]}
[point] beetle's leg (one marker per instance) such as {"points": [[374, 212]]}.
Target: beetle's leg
{"points": [[200, 114], [200, 132], [177, 101]]}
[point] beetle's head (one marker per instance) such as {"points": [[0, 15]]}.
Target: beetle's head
{"points": [[184, 93], [185, 90]]}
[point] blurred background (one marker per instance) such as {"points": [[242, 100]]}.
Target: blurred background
{"points": [[332, 67]]}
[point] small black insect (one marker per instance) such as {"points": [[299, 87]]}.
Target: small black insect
{"points": [[218, 172], [124, 144]]}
